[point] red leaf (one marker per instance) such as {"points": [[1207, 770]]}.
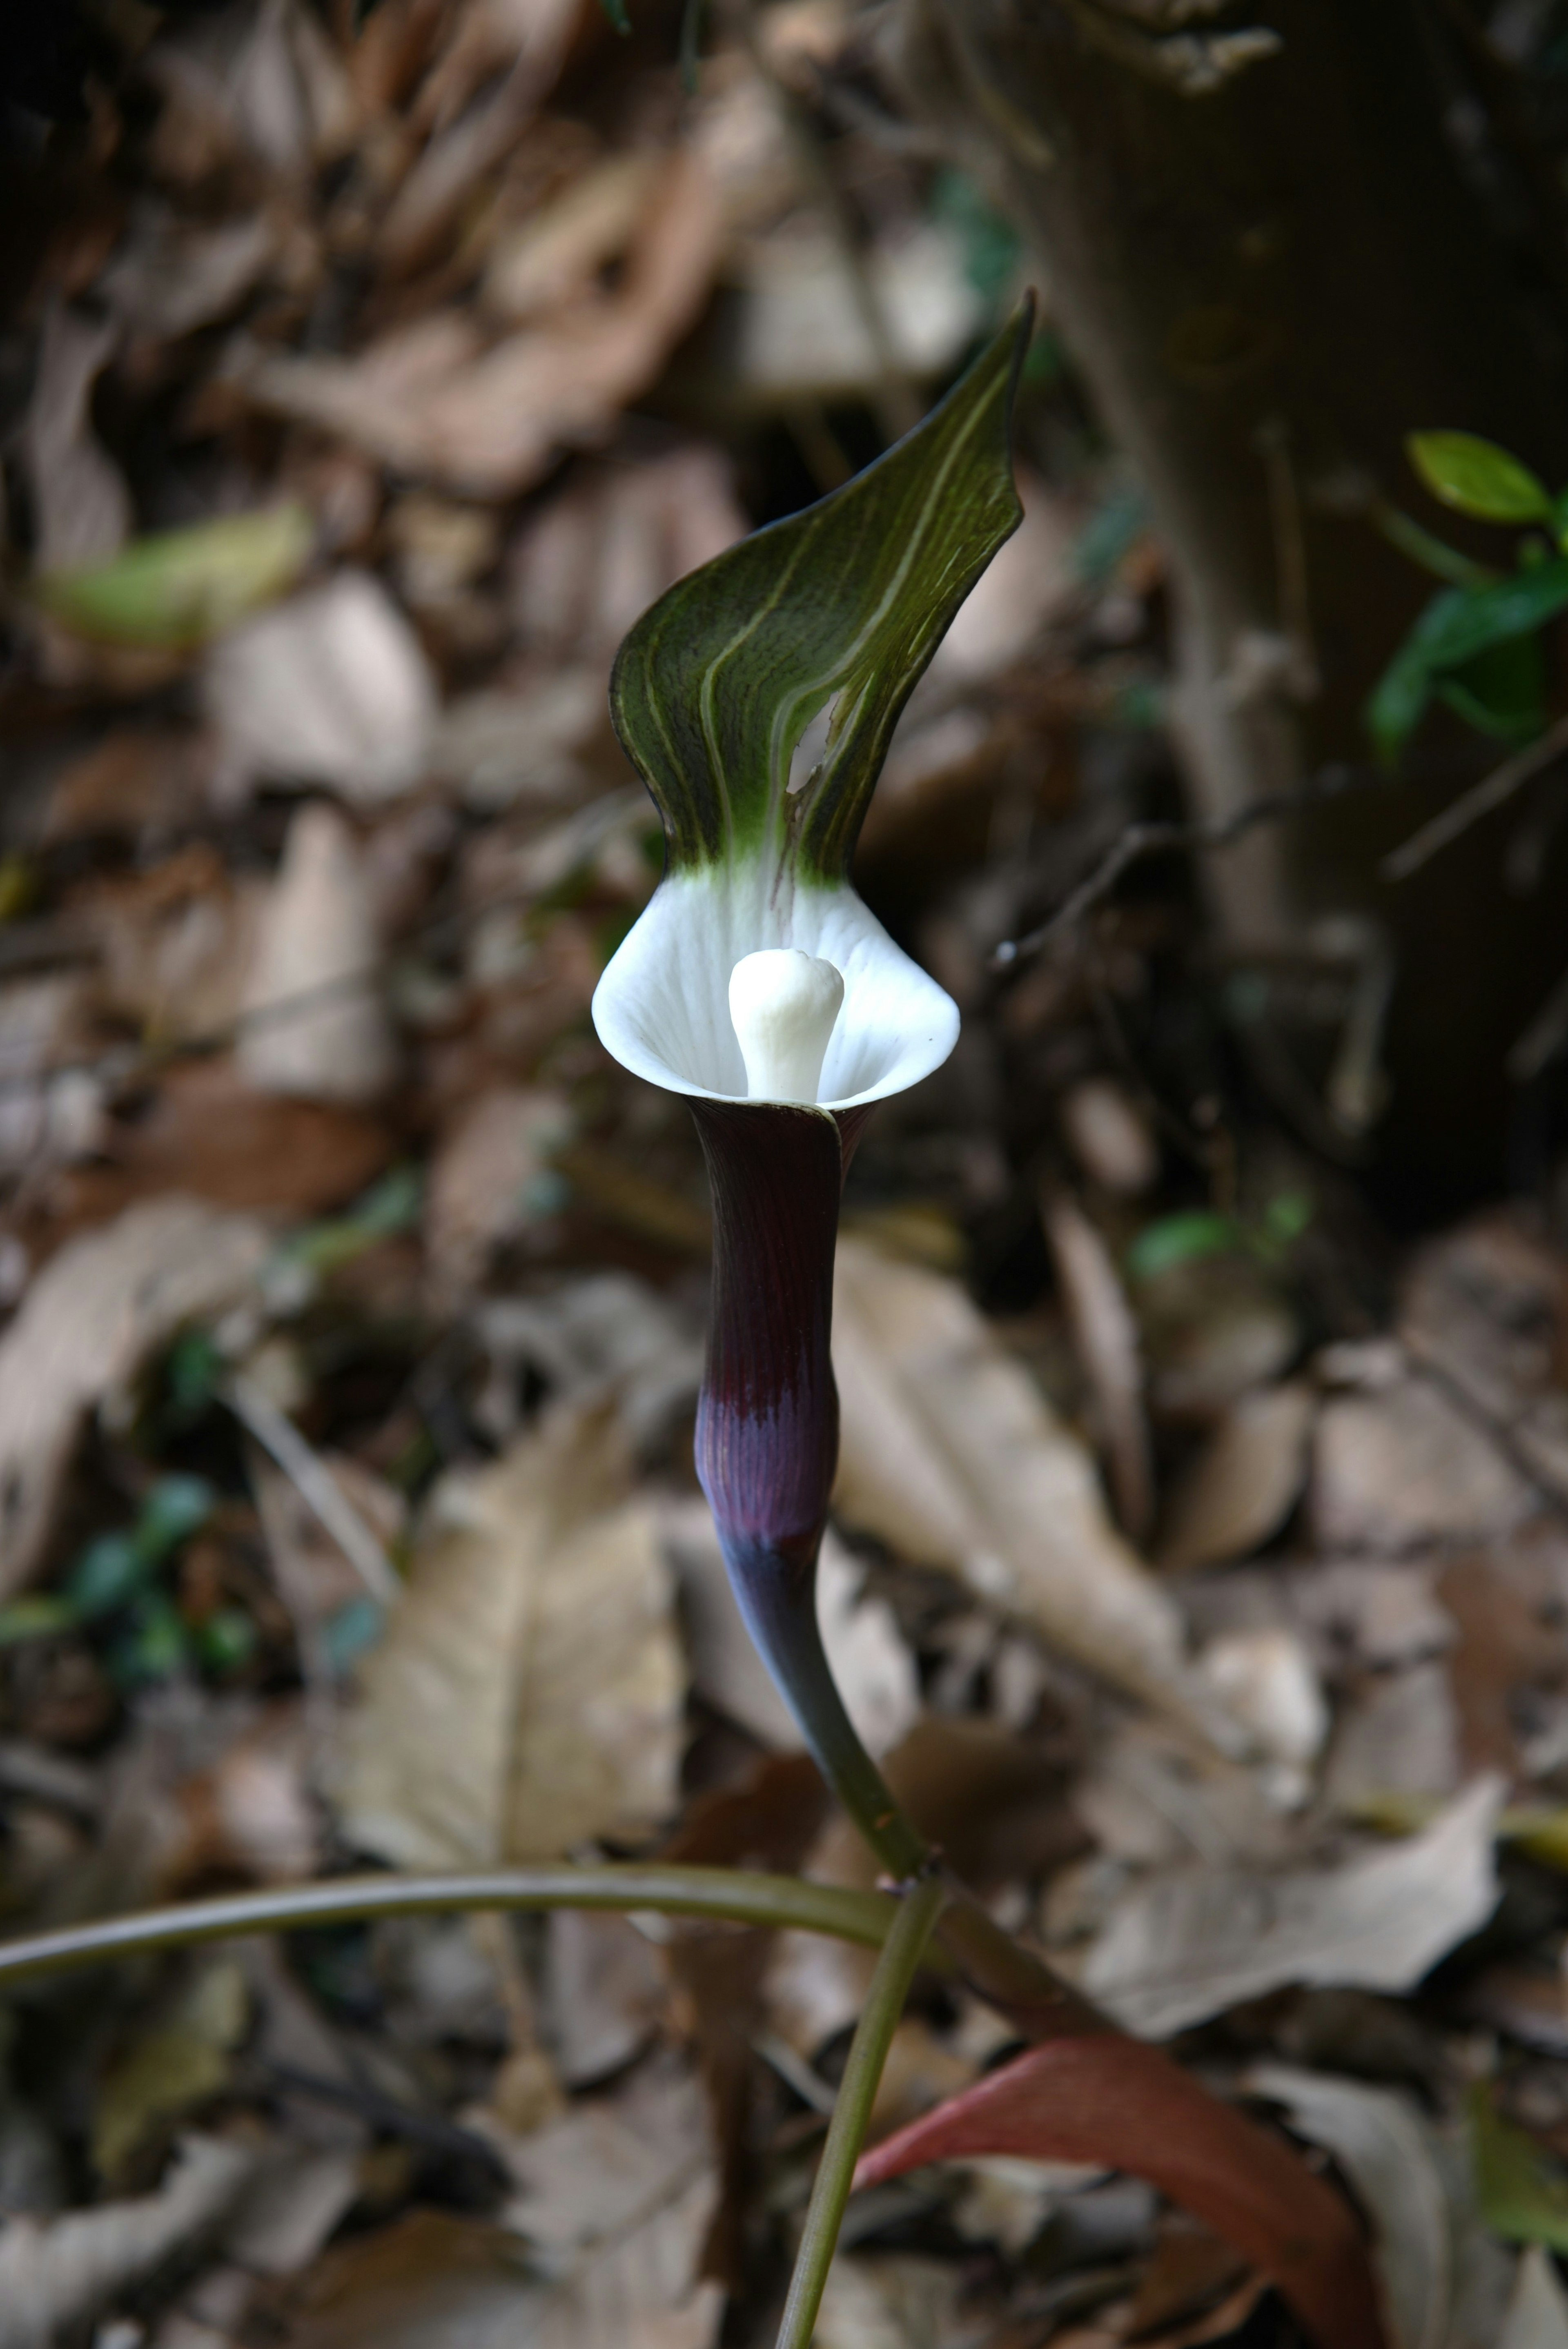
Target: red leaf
{"points": [[1103, 2098]]}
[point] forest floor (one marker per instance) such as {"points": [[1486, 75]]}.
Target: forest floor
{"points": [[1199, 1564]]}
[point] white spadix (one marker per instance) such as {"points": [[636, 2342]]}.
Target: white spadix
{"points": [[782, 1007]]}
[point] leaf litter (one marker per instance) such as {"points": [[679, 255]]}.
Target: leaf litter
{"points": [[1197, 1569]]}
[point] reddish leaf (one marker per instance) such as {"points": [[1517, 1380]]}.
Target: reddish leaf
{"points": [[1106, 2099]]}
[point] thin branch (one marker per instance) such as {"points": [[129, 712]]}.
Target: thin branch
{"points": [[316, 1485], [733, 1896], [1165, 838], [1490, 793], [901, 1954]]}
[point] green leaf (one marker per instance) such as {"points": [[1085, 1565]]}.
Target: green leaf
{"points": [[616, 11], [175, 592], [1454, 628], [172, 1511], [1477, 478], [1523, 2198], [36, 1617], [1182, 1238], [109, 1571], [838, 610]]}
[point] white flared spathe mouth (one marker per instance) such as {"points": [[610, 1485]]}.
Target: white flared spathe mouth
{"points": [[662, 1007]]}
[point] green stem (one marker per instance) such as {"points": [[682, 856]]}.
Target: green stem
{"points": [[735, 1896], [901, 1952]]}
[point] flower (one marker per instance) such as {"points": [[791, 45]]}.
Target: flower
{"points": [[756, 699]]}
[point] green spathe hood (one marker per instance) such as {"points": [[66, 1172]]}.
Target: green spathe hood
{"points": [[826, 622]]}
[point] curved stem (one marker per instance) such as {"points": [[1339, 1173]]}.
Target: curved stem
{"points": [[901, 1952], [732, 1895]]}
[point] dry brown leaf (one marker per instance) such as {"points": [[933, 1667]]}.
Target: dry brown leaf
{"points": [[433, 401], [1441, 2277], [1105, 1336], [604, 1991], [1246, 1480], [330, 687], [316, 1027], [56, 2274], [528, 1689], [206, 1132], [173, 275], [479, 1193], [558, 251], [1538, 2312], [952, 1456], [92, 1316], [1190, 1944], [1405, 1469], [600, 2251], [1108, 1135], [81, 508]]}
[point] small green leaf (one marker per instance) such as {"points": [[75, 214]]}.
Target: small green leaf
{"points": [[172, 1511], [1178, 1240], [1454, 628], [616, 11], [1523, 2198], [837, 610], [174, 592], [1477, 478], [109, 1571], [226, 1640]]}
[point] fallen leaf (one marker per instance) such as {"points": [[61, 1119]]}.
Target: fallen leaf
{"points": [[1105, 1336], [331, 687], [81, 508], [1404, 1468], [91, 1318], [172, 275], [1245, 1482], [485, 1180], [604, 1993], [1111, 2101], [560, 249], [1267, 1682], [432, 400], [951, 1454], [181, 588], [1107, 1132], [1487, 1306], [890, 2300], [1393, 2157], [56, 2274], [314, 1026], [1190, 1944], [180, 2063], [1538, 2312], [206, 1132], [527, 1692]]}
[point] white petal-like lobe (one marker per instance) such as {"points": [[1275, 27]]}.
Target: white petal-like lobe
{"points": [[662, 1007]]}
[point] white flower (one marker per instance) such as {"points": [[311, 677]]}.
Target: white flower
{"points": [[662, 1007]]}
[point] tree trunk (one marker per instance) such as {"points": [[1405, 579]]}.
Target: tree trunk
{"points": [[1266, 287]]}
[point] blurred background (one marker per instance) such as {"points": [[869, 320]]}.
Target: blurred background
{"points": [[367, 366]]}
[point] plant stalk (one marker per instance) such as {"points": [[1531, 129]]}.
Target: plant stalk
{"points": [[734, 1895], [919, 1909]]}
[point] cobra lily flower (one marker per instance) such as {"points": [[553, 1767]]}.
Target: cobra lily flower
{"points": [[756, 699]]}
